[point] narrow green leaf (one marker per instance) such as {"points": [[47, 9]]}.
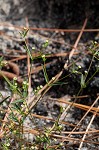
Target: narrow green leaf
{"points": [[1, 59], [59, 83], [14, 118], [7, 80], [18, 101], [24, 33], [45, 74], [28, 51], [4, 100], [83, 85]]}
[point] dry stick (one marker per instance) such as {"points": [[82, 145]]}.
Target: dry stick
{"points": [[84, 115], [29, 66], [18, 58], [81, 132], [63, 54], [76, 43], [26, 129], [37, 55], [82, 96], [13, 56], [84, 107], [93, 137], [84, 136], [75, 105], [78, 39], [10, 76], [53, 120], [14, 67], [12, 50], [65, 30], [13, 27], [64, 138]]}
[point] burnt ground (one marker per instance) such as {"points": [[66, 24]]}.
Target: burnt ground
{"points": [[55, 14]]}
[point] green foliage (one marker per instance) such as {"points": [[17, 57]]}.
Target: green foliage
{"points": [[19, 107]]}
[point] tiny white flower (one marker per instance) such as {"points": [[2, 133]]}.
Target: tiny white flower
{"points": [[41, 86], [61, 144], [38, 88], [25, 28], [33, 48], [95, 42], [75, 71], [47, 41], [15, 84], [79, 66], [35, 90], [22, 106], [7, 144], [53, 78], [43, 56], [86, 71], [15, 78], [60, 126]]}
